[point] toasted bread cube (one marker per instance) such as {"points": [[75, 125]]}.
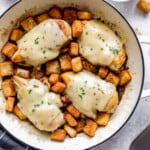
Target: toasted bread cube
{"points": [[80, 126], [77, 28], [37, 73], [70, 120], [28, 24], [64, 100], [45, 81], [23, 73], [16, 34], [84, 15], [6, 68], [16, 57], [41, 17], [19, 113], [73, 111], [70, 14], [74, 49], [58, 135], [88, 66], [112, 79], [102, 119], [52, 67], [102, 72], [66, 76], [58, 87], [54, 78], [76, 64], [144, 5], [65, 62], [10, 104], [9, 49], [55, 12], [8, 88], [125, 77], [90, 128], [70, 131]]}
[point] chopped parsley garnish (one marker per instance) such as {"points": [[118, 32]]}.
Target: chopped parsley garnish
{"points": [[86, 33], [102, 49], [48, 103], [91, 49], [33, 110], [57, 68], [114, 51], [42, 102], [44, 51], [36, 41], [29, 91], [81, 97]]}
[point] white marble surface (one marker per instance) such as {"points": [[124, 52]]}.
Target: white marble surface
{"points": [[140, 118]]}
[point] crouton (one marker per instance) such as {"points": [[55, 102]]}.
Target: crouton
{"points": [[16, 34], [70, 131], [54, 78], [19, 113], [84, 15], [64, 100], [8, 88], [52, 67], [73, 111], [16, 57], [77, 28], [102, 72], [37, 74], [90, 128], [58, 87], [9, 49], [144, 5], [23, 73], [65, 62], [102, 119], [28, 24], [70, 120], [70, 14], [41, 17], [6, 68], [125, 77], [66, 76], [76, 64], [10, 104], [64, 50], [55, 12], [58, 135], [112, 79], [80, 126], [45, 81], [74, 49]]}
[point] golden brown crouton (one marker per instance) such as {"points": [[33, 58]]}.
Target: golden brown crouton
{"points": [[77, 28], [58, 87], [125, 77], [6, 68], [74, 112], [80, 126], [102, 119], [144, 5], [66, 76], [84, 15], [42, 17], [55, 12], [19, 113], [28, 24], [65, 62], [71, 131], [54, 78], [112, 79], [52, 67], [37, 74], [70, 120], [58, 135], [10, 104], [102, 72], [9, 49], [8, 88], [74, 49], [64, 100], [16, 34], [16, 57], [90, 128], [76, 64], [45, 81], [23, 73], [70, 14]]}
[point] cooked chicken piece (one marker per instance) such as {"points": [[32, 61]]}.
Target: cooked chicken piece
{"points": [[101, 46], [39, 105], [89, 93], [43, 42]]}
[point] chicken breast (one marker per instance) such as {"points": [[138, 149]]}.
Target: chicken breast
{"points": [[101, 46], [43, 42], [40, 106], [89, 93]]}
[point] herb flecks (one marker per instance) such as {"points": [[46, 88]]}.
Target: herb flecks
{"points": [[36, 41], [29, 91], [114, 51]]}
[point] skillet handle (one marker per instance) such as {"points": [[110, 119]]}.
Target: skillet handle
{"points": [[5, 5], [144, 40]]}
